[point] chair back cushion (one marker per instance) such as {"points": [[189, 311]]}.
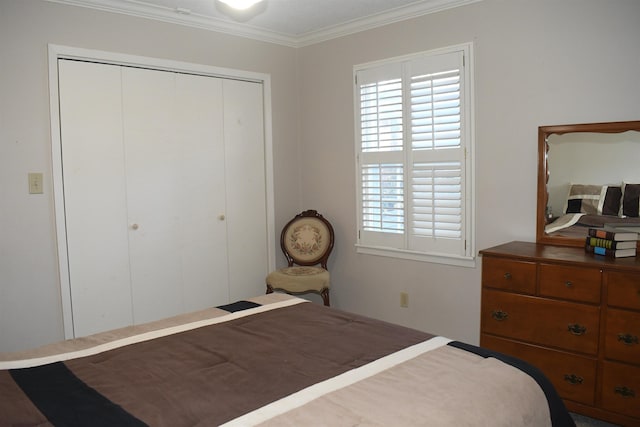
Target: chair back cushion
{"points": [[307, 240]]}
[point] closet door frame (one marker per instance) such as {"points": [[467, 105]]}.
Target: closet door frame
{"points": [[57, 52]]}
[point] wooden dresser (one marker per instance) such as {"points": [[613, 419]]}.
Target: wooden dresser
{"points": [[573, 315]]}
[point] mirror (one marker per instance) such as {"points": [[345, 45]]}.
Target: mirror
{"points": [[592, 161]]}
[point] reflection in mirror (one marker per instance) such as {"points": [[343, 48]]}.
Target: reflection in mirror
{"points": [[591, 159], [581, 175]]}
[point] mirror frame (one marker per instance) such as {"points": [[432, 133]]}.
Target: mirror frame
{"points": [[543, 170]]}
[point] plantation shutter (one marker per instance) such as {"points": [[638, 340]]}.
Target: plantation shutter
{"points": [[411, 155], [436, 203], [381, 155]]}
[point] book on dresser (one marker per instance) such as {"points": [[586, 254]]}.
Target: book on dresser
{"points": [[622, 227], [612, 253], [613, 234], [609, 243]]}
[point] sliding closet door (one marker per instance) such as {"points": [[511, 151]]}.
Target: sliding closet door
{"points": [[95, 196], [246, 196], [203, 206], [164, 190], [175, 169]]}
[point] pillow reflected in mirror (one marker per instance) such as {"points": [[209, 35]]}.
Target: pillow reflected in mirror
{"points": [[630, 200], [594, 199]]}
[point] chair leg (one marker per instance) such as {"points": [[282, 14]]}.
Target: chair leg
{"points": [[325, 296], [269, 289]]}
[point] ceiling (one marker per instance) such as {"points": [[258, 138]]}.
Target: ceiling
{"points": [[287, 22]]}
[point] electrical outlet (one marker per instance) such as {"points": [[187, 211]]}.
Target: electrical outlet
{"points": [[404, 299]]}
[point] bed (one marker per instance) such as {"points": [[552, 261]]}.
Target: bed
{"points": [[576, 225], [273, 360], [594, 206]]}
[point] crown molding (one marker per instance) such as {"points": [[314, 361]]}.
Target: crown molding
{"points": [[180, 17], [378, 20], [190, 19]]}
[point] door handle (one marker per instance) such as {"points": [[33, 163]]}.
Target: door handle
{"points": [[134, 226]]}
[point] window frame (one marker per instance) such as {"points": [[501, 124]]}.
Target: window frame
{"points": [[467, 258]]}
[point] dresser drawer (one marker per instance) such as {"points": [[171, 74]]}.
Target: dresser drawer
{"points": [[517, 276], [622, 336], [621, 388], [623, 289], [561, 324], [572, 283], [574, 377]]}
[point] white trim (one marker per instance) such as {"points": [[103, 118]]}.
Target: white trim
{"points": [[385, 18], [413, 56], [470, 107], [66, 52], [268, 159], [417, 256], [174, 16], [58, 196], [178, 17]]}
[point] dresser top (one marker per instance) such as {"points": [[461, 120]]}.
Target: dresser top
{"points": [[563, 254]]}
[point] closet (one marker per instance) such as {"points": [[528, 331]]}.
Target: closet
{"points": [[163, 177]]}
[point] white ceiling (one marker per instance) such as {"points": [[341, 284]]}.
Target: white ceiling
{"points": [[288, 22]]}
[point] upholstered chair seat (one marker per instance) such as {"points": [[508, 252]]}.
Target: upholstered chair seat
{"points": [[299, 279], [307, 241]]}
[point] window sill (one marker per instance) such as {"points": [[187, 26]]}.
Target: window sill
{"points": [[458, 261]]}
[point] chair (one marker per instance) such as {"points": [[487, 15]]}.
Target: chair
{"points": [[306, 240]]}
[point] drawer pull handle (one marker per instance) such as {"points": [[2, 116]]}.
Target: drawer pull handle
{"points": [[507, 276], [576, 329], [573, 379], [499, 315], [625, 392], [628, 339], [568, 284]]}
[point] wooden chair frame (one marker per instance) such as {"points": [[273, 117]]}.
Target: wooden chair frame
{"points": [[322, 260]]}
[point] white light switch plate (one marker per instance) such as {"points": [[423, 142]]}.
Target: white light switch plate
{"points": [[35, 183]]}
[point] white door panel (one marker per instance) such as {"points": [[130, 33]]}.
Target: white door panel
{"points": [[153, 192], [246, 198], [203, 227], [95, 196]]}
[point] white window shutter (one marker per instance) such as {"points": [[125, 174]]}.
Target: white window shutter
{"points": [[412, 155], [381, 116], [435, 110]]}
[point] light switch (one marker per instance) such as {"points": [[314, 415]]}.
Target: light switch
{"points": [[35, 183]]}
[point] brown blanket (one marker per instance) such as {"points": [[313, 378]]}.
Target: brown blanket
{"points": [[214, 374]]}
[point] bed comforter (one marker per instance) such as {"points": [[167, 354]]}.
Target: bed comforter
{"points": [[274, 360], [576, 225]]}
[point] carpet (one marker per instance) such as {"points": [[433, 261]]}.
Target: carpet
{"points": [[582, 421]]}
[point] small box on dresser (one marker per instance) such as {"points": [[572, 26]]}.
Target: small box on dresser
{"points": [[574, 316]]}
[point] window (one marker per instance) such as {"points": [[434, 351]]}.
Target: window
{"points": [[413, 147]]}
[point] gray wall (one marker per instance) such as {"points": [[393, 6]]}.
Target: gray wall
{"points": [[30, 304], [537, 63]]}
